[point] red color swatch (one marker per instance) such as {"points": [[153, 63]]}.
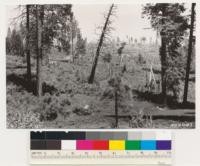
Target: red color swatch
{"points": [[101, 145]]}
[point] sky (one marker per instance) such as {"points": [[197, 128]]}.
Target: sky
{"points": [[128, 20]]}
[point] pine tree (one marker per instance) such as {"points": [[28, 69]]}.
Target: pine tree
{"points": [[28, 58], [39, 23], [8, 41], [16, 43], [168, 20], [189, 53], [80, 44]]}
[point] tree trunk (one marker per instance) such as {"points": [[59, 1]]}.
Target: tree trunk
{"points": [[189, 55], [39, 20], [28, 58], [94, 65], [163, 54]]}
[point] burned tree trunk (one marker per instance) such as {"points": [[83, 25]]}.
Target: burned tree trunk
{"points": [[39, 22], [95, 61], [189, 54], [28, 58]]}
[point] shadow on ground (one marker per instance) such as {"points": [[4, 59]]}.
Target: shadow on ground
{"points": [[21, 80], [181, 118], [157, 99], [16, 67]]}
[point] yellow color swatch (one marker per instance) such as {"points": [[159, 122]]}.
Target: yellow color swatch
{"points": [[116, 145]]}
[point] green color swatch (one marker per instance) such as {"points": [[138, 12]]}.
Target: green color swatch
{"points": [[133, 145]]}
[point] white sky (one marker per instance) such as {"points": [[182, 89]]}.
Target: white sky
{"points": [[128, 20]]}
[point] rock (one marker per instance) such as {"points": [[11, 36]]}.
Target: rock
{"points": [[86, 106], [81, 111]]}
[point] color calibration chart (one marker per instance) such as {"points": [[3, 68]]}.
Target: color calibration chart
{"points": [[101, 148]]}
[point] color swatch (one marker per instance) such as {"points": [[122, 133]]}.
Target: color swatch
{"points": [[60, 140], [117, 145]]}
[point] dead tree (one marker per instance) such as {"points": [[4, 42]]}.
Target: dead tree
{"points": [[28, 59], [189, 54], [101, 40], [39, 23]]}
